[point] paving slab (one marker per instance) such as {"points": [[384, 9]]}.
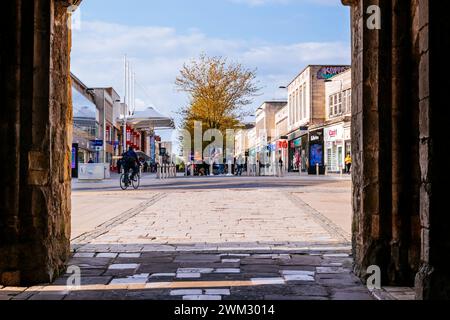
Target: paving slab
{"points": [[232, 246]]}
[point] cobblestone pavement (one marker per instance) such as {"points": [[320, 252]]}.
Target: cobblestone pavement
{"points": [[210, 244]]}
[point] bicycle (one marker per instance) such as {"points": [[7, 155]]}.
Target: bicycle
{"points": [[125, 181]]}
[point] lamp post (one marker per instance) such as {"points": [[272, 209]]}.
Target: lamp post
{"points": [[124, 122]]}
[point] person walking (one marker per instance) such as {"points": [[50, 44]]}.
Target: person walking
{"points": [[348, 163], [280, 163]]}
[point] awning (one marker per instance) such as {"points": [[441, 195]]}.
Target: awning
{"points": [[150, 119], [141, 154]]}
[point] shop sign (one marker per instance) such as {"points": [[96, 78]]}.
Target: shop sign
{"points": [[316, 137], [271, 147], [334, 133], [326, 73], [97, 143], [282, 144]]}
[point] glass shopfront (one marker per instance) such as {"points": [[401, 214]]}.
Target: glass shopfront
{"points": [[335, 148], [298, 152], [316, 152]]}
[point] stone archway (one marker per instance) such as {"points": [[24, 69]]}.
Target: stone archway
{"points": [[398, 134]]}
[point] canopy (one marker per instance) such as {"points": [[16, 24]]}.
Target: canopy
{"points": [[141, 154], [150, 119]]}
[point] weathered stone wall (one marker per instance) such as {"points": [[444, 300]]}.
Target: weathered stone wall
{"points": [[399, 143], [433, 280], [35, 130]]}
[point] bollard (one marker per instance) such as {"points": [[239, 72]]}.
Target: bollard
{"points": [[158, 171], [229, 169], [317, 169]]}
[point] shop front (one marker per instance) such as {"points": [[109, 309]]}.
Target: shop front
{"points": [[335, 148], [298, 151], [295, 152], [347, 139], [283, 153], [316, 152]]}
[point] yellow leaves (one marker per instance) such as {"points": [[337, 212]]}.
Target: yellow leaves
{"points": [[218, 92]]}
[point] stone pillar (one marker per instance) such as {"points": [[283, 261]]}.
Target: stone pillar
{"points": [[371, 74], [405, 242], [400, 175], [433, 279], [35, 131]]}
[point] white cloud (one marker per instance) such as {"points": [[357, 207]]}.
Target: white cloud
{"points": [[158, 53]]}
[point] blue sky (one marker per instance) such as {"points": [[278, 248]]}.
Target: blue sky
{"points": [[278, 37], [275, 21]]}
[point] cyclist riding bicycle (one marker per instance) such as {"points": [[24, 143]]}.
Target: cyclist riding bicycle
{"points": [[130, 161]]}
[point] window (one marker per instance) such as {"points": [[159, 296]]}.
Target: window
{"points": [[335, 103], [291, 113], [295, 107], [349, 101], [304, 102], [339, 103], [344, 102], [330, 110], [302, 116], [336, 107]]}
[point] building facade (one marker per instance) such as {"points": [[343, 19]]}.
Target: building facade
{"points": [[337, 130], [85, 125], [108, 102], [267, 135], [306, 114]]}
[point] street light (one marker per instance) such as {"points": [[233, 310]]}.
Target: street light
{"points": [[124, 118]]}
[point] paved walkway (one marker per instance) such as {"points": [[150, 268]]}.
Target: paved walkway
{"points": [[211, 239]]}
